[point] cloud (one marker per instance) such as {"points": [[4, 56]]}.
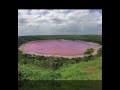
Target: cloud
{"points": [[55, 22]]}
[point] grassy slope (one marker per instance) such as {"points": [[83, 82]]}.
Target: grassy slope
{"points": [[91, 70]]}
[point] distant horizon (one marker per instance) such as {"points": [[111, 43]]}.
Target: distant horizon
{"points": [[59, 22], [60, 34]]}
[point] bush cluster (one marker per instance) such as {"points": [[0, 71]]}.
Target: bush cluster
{"points": [[89, 51], [99, 51]]}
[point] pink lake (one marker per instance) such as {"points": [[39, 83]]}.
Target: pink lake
{"points": [[57, 47]]}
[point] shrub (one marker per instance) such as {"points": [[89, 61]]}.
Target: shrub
{"points": [[100, 51], [77, 60], [36, 62], [56, 65], [72, 61], [23, 60], [39, 57], [89, 51], [44, 63], [52, 62], [86, 58]]}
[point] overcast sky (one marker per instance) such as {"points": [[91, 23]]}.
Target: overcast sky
{"points": [[59, 22]]}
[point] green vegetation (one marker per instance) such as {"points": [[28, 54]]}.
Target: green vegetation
{"points": [[46, 62], [100, 52], [61, 85], [51, 68], [90, 70], [33, 71], [30, 76], [89, 51]]}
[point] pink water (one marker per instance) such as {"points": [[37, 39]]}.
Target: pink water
{"points": [[57, 47]]}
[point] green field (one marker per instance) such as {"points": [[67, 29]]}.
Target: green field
{"points": [[29, 68]]}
